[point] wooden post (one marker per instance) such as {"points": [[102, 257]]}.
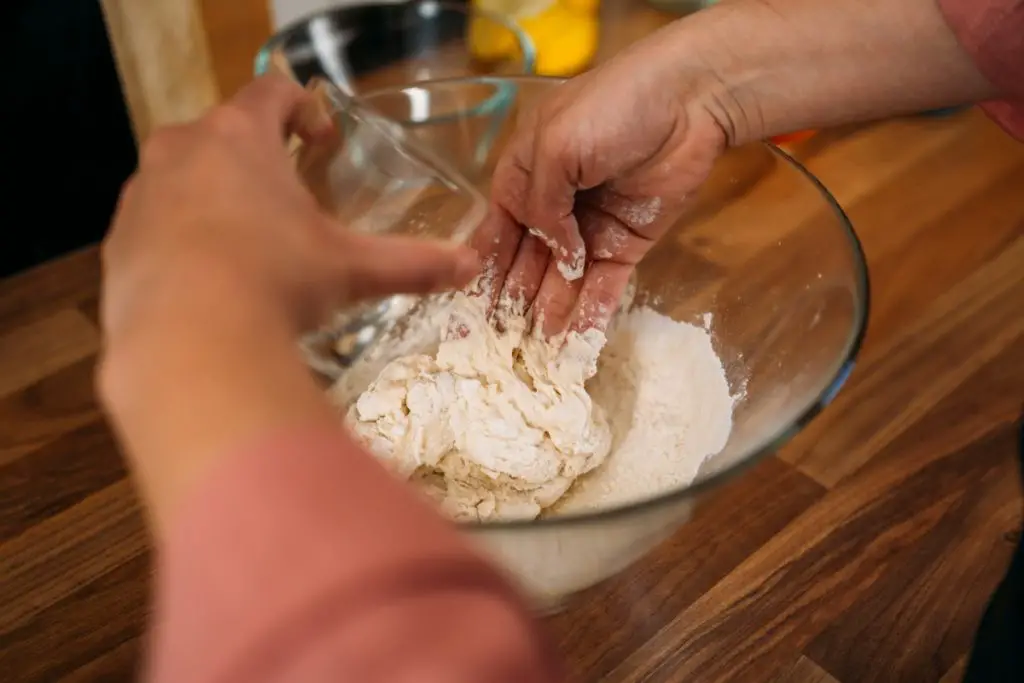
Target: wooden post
{"points": [[163, 59]]}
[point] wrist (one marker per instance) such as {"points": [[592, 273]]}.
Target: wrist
{"points": [[778, 66], [704, 57]]}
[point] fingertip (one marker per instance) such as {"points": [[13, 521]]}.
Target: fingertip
{"points": [[312, 120]]}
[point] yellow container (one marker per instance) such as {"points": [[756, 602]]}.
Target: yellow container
{"points": [[585, 6], [564, 33]]}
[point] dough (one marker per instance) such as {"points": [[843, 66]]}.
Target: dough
{"points": [[492, 426]]}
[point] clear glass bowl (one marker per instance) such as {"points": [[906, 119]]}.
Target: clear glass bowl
{"points": [[367, 46], [764, 249]]}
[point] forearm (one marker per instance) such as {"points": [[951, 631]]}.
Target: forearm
{"points": [[301, 559], [285, 550], [785, 65], [206, 381]]}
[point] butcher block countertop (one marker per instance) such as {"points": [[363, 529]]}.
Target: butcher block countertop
{"points": [[864, 551]]}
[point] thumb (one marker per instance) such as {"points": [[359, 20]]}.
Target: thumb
{"points": [[376, 266]]}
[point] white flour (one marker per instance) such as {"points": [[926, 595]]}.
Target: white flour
{"points": [[664, 390], [659, 382]]}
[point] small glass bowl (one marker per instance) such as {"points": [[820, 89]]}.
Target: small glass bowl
{"points": [[765, 259], [374, 178], [369, 46]]}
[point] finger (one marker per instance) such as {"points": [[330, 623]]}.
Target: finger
{"points": [[555, 302], [549, 205], [315, 123], [647, 216], [600, 296], [608, 239], [524, 279], [374, 266], [280, 106], [496, 240]]}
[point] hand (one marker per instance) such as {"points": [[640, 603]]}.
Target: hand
{"points": [[591, 179], [607, 162], [218, 203], [217, 258]]}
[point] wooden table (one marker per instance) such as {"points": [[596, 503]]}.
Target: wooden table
{"points": [[864, 551]]}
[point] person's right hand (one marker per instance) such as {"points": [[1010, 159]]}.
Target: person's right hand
{"points": [[592, 178]]}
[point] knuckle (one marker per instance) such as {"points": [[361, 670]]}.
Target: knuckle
{"points": [[510, 182], [531, 115], [552, 144], [229, 120], [279, 85], [557, 133]]}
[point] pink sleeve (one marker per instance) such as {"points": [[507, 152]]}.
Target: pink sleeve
{"points": [[301, 559], [992, 32]]}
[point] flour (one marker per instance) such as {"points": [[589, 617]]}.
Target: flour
{"points": [[642, 213], [664, 389], [509, 426]]}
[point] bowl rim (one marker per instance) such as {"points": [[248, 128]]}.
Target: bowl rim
{"points": [[839, 375], [261, 62]]}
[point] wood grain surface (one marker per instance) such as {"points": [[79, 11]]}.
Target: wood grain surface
{"points": [[864, 551]]}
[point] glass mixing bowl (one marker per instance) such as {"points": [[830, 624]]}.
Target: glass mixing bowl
{"points": [[366, 46], [765, 258]]}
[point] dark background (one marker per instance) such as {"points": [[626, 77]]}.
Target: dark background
{"points": [[66, 137]]}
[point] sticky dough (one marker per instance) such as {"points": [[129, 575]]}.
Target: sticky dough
{"points": [[495, 425]]}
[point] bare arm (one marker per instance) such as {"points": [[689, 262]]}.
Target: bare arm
{"points": [[784, 65], [645, 128]]}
